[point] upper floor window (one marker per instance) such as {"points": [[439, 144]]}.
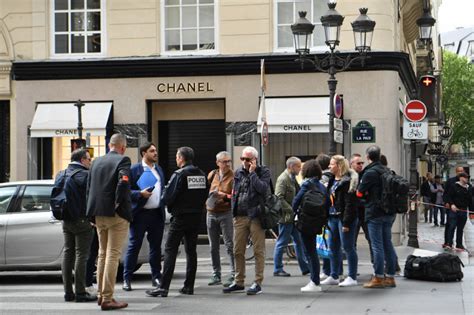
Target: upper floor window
{"points": [[78, 27], [189, 25], [286, 13]]}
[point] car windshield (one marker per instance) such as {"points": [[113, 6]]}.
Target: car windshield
{"points": [[6, 194]]}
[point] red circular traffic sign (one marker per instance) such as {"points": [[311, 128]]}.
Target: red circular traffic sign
{"points": [[415, 110], [337, 106]]}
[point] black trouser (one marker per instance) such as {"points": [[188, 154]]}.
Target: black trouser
{"points": [[362, 224], [77, 242], [182, 226], [91, 262]]}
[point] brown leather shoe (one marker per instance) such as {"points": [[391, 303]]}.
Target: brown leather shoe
{"points": [[112, 305], [389, 282], [375, 283]]}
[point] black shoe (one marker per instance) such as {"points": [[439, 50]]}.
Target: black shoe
{"points": [[254, 289], [281, 274], [460, 247], [234, 287], [126, 285], [86, 297], [305, 273], [157, 292], [69, 297], [185, 290]]}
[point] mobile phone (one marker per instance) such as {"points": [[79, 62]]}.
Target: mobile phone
{"points": [[150, 189]]}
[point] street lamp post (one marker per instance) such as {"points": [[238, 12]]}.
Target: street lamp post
{"points": [[332, 63], [79, 106]]}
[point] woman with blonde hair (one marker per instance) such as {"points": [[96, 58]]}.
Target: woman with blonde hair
{"points": [[343, 220]]}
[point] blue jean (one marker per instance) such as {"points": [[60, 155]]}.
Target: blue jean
{"points": [[287, 231], [309, 241], [380, 233], [456, 222], [346, 240], [442, 213], [151, 221]]}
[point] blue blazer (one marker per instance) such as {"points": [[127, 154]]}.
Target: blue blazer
{"points": [[137, 200]]}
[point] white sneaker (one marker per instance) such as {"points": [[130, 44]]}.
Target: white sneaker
{"points": [[311, 287], [330, 281], [348, 282], [91, 290], [322, 276]]}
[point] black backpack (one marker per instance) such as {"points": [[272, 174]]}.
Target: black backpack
{"points": [[312, 213], [442, 268], [395, 188], [58, 200]]}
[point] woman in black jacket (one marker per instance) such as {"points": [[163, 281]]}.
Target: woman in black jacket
{"points": [[343, 220]]}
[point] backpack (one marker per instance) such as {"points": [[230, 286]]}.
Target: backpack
{"points": [[312, 213], [394, 197], [443, 267], [270, 207], [58, 200]]}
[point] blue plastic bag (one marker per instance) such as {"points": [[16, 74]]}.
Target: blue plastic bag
{"points": [[322, 244]]}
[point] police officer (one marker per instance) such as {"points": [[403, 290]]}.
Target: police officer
{"points": [[185, 195]]}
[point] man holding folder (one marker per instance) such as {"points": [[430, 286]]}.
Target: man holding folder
{"points": [[146, 180]]}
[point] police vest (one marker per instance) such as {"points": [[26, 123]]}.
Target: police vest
{"points": [[193, 188]]}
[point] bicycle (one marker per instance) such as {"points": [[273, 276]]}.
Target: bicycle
{"points": [[249, 254]]}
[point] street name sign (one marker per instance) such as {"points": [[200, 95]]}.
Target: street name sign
{"points": [[363, 132]]}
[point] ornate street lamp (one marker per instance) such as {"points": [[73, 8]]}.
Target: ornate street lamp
{"points": [[332, 63], [425, 24], [79, 106]]}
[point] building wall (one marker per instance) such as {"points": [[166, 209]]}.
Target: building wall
{"points": [[133, 28]]}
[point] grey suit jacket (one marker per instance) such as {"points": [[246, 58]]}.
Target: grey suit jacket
{"points": [[108, 187]]}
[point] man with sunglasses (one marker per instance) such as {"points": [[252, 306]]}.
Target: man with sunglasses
{"points": [[219, 216], [251, 184]]}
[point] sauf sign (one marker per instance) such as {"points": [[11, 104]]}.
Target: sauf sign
{"points": [[415, 127]]}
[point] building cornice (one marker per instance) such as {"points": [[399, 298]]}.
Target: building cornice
{"points": [[199, 66]]}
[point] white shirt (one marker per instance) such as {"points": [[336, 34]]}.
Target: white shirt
{"points": [[154, 201]]}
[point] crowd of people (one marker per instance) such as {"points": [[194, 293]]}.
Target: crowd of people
{"points": [[116, 199]]}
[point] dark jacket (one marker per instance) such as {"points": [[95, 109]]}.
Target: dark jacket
{"points": [[370, 188], [186, 191], [108, 187], [461, 197], [259, 187], [425, 190], [307, 185], [138, 202], [76, 197], [448, 187], [345, 197]]}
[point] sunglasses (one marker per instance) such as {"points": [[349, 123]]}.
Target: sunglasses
{"points": [[246, 159], [360, 163]]}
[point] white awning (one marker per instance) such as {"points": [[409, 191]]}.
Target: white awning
{"points": [[296, 115], [60, 120]]}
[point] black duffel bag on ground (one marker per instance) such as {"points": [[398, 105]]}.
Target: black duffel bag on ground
{"points": [[442, 268]]}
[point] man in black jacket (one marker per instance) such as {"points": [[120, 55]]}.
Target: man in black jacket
{"points": [[77, 229], [108, 202], [379, 223], [447, 201], [185, 195], [460, 197]]}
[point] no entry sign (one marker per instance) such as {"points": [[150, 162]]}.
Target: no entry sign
{"points": [[415, 110]]}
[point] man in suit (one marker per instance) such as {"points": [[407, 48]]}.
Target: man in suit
{"points": [[146, 181], [108, 203], [450, 185]]}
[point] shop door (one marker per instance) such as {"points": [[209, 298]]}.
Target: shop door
{"points": [[205, 137]]}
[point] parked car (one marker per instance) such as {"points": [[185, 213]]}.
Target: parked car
{"points": [[30, 237]]}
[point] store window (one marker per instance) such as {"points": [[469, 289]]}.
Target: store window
{"points": [[189, 26], [78, 27], [286, 13], [62, 150]]}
